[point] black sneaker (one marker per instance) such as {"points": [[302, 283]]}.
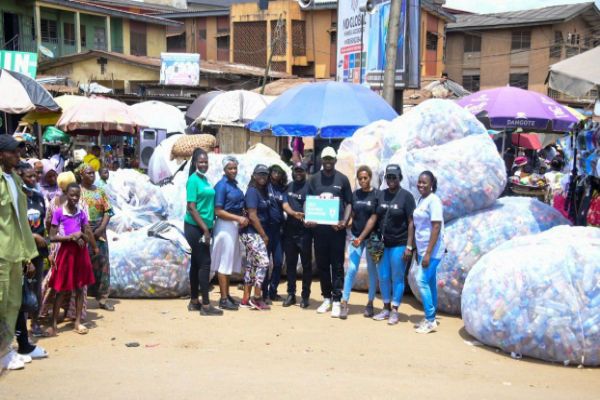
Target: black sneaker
{"points": [[226, 304], [304, 303], [369, 311], [267, 301], [194, 306], [290, 300], [209, 310], [232, 300], [276, 297]]}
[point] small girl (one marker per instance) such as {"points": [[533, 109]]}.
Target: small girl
{"points": [[73, 265]]}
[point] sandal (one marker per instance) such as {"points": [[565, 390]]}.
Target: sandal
{"points": [[81, 329], [106, 306], [50, 332]]}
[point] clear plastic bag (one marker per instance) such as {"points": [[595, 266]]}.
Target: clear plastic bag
{"points": [[471, 174], [149, 267], [469, 238], [539, 296]]}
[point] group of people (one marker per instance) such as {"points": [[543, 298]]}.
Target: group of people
{"points": [[48, 216], [386, 226]]}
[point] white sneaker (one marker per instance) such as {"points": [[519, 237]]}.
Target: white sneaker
{"points": [[326, 306], [336, 311], [427, 327], [421, 322], [38, 353], [11, 362], [25, 358]]}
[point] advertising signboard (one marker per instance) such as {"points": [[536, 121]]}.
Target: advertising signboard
{"points": [[18, 61], [180, 69]]}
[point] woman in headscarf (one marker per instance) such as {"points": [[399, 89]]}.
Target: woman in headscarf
{"points": [[48, 183], [99, 212], [229, 212]]}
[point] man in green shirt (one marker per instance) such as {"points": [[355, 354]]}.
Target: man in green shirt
{"points": [[16, 246]]}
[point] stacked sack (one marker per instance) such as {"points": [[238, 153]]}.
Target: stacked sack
{"points": [[143, 266], [539, 296], [471, 237]]}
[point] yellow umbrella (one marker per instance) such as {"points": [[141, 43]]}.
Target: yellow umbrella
{"points": [[576, 113], [51, 118]]}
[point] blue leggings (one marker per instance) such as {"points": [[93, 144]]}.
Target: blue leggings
{"points": [[391, 275], [354, 256], [427, 283]]}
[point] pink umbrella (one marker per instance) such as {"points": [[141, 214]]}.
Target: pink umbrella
{"points": [[100, 115]]}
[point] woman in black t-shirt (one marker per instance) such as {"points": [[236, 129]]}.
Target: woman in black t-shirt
{"points": [[364, 206]]}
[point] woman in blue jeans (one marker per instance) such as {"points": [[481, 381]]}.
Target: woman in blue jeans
{"points": [[395, 208], [364, 205], [429, 237]]}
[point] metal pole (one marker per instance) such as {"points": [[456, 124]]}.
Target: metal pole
{"points": [[274, 39], [391, 52], [362, 35]]}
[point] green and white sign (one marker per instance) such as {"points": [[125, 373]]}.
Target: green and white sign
{"points": [[322, 211], [18, 61]]}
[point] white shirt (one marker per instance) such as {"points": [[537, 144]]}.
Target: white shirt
{"points": [[429, 209], [13, 192]]}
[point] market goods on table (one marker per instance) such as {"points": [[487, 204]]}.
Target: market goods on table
{"points": [[539, 296], [135, 200], [149, 267], [186, 144], [469, 238], [471, 174]]}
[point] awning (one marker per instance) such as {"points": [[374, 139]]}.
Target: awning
{"points": [[577, 75]]}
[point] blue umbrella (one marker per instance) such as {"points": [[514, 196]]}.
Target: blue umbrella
{"points": [[326, 109]]}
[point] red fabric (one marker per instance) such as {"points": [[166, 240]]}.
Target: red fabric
{"points": [[593, 216], [74, 268], [559, 203], [527, 140]]}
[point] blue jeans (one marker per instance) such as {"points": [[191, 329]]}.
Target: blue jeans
{"points": [[391, 275], [275, 250], [354, 256], [427, 283]]}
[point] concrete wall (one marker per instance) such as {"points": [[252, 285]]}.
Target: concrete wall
{"points": [[156, 40], [322, 53]]}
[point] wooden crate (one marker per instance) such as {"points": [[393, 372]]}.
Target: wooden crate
{"points": [[237, 140]]}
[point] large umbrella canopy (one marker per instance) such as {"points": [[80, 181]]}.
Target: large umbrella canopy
{"points": [[159, 115], [20, 94], [510, 108], [327, 109], [233, 108], [577, 75], [97, 115], [198, 106], [65, 102]]}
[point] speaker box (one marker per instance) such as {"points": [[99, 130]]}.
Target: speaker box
{"points": [[149, 139]]}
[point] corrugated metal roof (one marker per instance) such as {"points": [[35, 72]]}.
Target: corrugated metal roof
{"points": [[538, 16]]}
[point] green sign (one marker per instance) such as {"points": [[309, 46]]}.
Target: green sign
{"points": [[18, 61], [322, 211]]}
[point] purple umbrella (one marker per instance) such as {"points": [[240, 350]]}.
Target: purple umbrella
{"points": [[512, 108]]}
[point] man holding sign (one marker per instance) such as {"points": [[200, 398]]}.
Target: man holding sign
{"points": [[328, 208]]}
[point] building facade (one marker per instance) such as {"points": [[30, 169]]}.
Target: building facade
{"points": [[516, 48]]}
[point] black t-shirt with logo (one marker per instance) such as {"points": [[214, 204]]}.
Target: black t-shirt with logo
{"points": [[364, 204], [36, 215], [401, 206], [337, 185], [276, 199], [295, 196]]}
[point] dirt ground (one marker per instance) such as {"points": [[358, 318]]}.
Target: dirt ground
{"points": [[283, 353]]}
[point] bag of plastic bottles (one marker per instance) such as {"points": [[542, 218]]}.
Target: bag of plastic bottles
{"points": [[539, 296], [469, 238], [471, 174], [136, 201], [143, 266]]}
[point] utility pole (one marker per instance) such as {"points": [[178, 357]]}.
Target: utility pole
{"points": [[275, 37], [391, 52]]}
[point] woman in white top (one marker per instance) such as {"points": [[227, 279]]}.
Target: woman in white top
{"points": [[428, 220]]}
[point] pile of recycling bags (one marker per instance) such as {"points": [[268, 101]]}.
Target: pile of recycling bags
{"points": [[469, 238], [143, 266], [135, 200], [539, 296]]}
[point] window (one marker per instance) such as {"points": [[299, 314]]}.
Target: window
{"points": [[69, 34], [49, 31], [519, 80], [137, 38], [521, 40], [223, 42], [202, 34], [99, 38], [472, 44], [471, 82], [431, 41], [83, 36], [556, 48], [573, 39]]}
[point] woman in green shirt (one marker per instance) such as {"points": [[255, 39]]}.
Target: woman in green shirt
{"points": [[199, 221]]}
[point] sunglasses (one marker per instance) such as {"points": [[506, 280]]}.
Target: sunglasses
{"points": [[391, 177]]}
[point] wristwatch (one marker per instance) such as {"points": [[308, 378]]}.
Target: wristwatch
{"points": [[410, 248]]}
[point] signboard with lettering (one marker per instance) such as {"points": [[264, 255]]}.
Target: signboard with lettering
{"points": [[322, 211], [180, 69], [18, 61]]}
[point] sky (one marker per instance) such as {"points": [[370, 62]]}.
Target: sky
{"points": [[488, 6]]}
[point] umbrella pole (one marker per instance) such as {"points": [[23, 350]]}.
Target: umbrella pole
{"points": [[504, 142]]}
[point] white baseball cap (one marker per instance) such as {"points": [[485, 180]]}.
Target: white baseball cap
{"points": [[328, 152]]}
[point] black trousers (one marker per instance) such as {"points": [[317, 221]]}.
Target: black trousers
{"points": [[22, 336], [200, 265], [329, 254], [294, 247]]}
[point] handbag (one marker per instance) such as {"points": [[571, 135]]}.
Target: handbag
{"points": [[375, 244], [29, 303]]}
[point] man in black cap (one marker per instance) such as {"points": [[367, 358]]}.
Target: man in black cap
{"points": [[297, 239], [17, 244]]}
